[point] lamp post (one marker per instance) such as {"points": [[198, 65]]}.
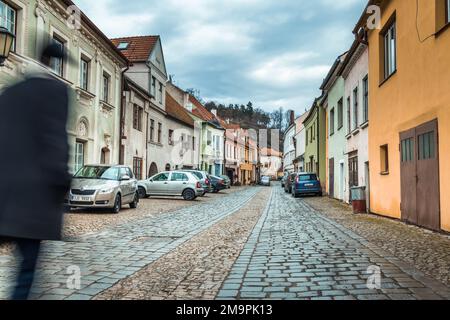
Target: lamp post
{"points": [[6, 41]]}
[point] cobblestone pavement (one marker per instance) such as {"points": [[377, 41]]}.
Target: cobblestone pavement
{"points": [[428, 251], [118, 252], [80, 222], [196, 269], [296, 253]]}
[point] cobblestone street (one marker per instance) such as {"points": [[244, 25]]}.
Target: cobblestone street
{"points": [[247, 243]]}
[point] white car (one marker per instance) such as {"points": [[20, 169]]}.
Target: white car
{"points": [[175, 183], [265, 181]]}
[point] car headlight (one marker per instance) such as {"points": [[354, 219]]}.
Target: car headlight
{"points": [[107, 191]]}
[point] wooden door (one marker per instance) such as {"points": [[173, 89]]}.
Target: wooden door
{"points": [[331, 178], [408, 176], [428, 195], [420, 175]]}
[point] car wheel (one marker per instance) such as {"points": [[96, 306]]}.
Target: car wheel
{"points": [[117, 204], [142, 193], [135, 202], [188, 195]]}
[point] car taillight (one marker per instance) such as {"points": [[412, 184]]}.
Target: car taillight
{"points": [[207, 181], [199, 186], [297, 180]]}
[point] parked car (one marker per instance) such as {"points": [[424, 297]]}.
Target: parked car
{"points": [[306, 183], [283, 180], [204, 178], [174, 183], [218, 184], [227, 181], [288, 182], [265, 181], [103, 186]]}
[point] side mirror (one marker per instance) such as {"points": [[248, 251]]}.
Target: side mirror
{"points": [[125, 178]]}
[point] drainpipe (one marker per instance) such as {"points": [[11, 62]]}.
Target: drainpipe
{"points": [[122, 116]]}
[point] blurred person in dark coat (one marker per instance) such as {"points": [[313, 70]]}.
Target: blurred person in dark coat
{"points": [[34, 162]]}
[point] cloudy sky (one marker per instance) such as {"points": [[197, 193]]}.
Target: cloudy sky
{"points": [[274, 53]]}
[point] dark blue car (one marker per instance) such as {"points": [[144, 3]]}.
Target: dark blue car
{"points": [[306, 183]]}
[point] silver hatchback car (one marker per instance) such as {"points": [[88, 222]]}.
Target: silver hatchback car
{"points": [[103, 186], [175, 183]]}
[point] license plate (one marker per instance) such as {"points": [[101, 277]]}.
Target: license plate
{"points": [[309, 185], [79, 198]]}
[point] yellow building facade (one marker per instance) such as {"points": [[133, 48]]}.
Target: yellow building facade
{"points": [[409, 92]]}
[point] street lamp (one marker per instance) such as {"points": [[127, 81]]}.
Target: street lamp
{"points": [[6, 41]]}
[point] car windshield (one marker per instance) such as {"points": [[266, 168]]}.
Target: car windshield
{"points": [[307, 177], [98, 172]]}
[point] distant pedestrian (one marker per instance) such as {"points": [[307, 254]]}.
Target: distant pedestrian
{"points": [[34, 162]]}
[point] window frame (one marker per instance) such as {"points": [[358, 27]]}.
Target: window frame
{"points": [[332, 120], [138, 112], [365, 85], [170, 137], [84, 82], [59, 40], [340, 108], [13, 30], [447, 11], [160, 93], [77, 154], [355, 108], [389, 54], [159, 132], [106, 93], [152, 130], [349, 115]]}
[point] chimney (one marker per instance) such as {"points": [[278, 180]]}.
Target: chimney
{"points": [[214, 112], [291, 117]]}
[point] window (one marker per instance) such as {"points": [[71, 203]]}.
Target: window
{"points": [[159, 132], [152, 130], [349, 113], [307, 137], [137, 167], [84, 74], [179, 177], [79, 156], [208, 138], [426, 146], [447, 11], [355, 108], [193, 143], [161, 177], [384, 159], [106, 85], [123, 46], [153, 89], [8, 17], [390, 48], [407, 149], [57, 64], [366, 99], [137, 117], [332, 122], [160, 93], [340, 114], [171, 143]]}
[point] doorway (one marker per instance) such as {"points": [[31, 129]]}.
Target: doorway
{"points": [[341, 181], [420, 194], [331, 178]]}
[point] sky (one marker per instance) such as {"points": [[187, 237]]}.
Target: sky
{"points": [[274, 53]]}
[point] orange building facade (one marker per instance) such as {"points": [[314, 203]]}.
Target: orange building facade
{"points": [[409, 92]]}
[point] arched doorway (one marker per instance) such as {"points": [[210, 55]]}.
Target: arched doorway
{"points": [[168, 167], [153, 170]]}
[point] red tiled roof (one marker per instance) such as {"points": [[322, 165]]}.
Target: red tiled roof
{"points": [[139, 48], [199, 110], [176, 111]]}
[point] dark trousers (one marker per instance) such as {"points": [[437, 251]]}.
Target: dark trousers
{"points": [[29, 252]]}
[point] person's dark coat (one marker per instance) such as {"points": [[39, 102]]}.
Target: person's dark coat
{"points": [[34, 155]]}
